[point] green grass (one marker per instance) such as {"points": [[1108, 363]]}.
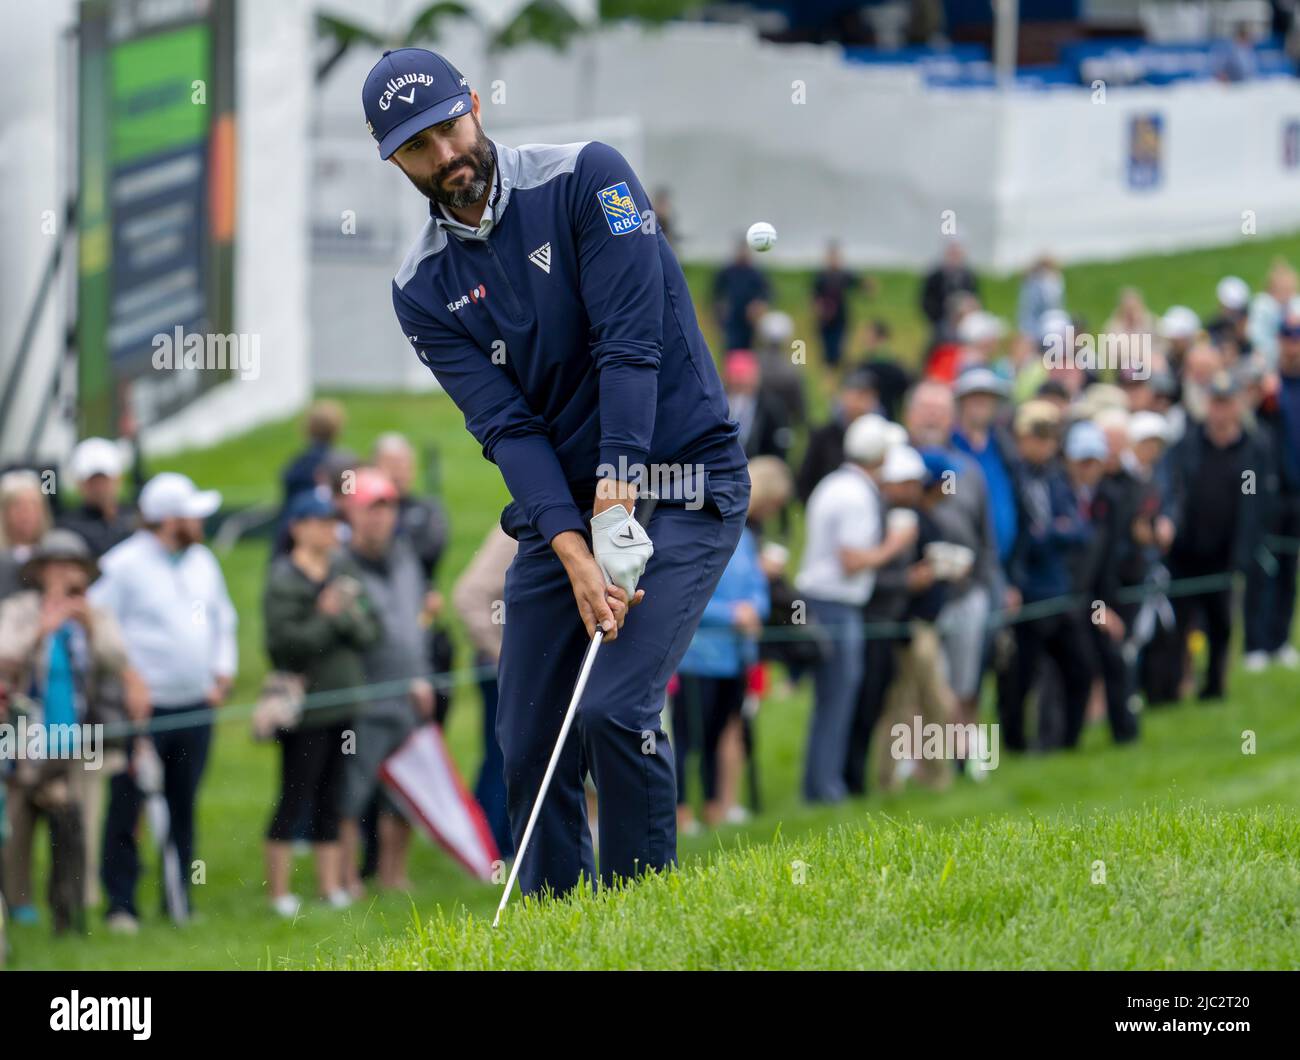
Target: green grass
{"points": [[1198, 840], [1173, 817], [1131, 890], [1185, 796]]}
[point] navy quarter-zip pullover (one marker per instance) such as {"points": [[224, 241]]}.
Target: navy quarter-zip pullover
{"points": [[563, 329]]}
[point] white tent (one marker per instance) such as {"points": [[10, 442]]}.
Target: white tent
{"points": [[395, 15]]}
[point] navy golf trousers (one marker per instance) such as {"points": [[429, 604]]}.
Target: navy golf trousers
{"points": [[617, 735]]}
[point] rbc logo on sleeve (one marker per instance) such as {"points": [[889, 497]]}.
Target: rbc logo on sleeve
{"points": [[620, 211]]}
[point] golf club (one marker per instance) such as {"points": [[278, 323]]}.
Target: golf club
{"points": [[644, 509]]}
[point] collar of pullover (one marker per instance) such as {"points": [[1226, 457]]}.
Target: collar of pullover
{"points": [[505, 169]]}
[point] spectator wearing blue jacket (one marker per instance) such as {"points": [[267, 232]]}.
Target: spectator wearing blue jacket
{"points": [[1041, 292], [741, 294], [980, 393], [728, 740], [1049, 529], [713, 675]]}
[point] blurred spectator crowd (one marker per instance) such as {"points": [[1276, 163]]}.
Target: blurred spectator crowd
{"points": [[1005, 519]]}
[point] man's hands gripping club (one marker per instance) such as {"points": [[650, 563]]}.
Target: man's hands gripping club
{"points": [[604, 577]]}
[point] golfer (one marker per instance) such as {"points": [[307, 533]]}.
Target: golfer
{"points": [[551, 309]]}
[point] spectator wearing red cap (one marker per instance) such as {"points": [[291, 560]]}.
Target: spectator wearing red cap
{"points": [[422, 521], [764, 423], [393, 580]]}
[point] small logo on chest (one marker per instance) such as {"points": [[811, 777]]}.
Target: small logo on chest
{"points": [[475, 295], [541, 257]]}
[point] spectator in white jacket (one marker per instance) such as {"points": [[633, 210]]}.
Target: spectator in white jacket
{"points": [[168, 594], [1269, 308], [846, 542]]}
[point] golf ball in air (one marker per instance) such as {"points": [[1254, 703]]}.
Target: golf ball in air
{"points": [[761, 236]]}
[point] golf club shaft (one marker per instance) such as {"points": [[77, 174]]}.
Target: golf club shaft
{"points": [[583, 674], [644, 509]]}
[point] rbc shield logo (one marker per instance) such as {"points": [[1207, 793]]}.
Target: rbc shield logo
{"points": [[620, 211]]}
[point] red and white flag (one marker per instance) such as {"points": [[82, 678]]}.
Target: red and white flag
{"points": [[423, 779]]}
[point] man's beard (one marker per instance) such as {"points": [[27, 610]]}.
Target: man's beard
{"points": [[479, 159], [187, 536]]}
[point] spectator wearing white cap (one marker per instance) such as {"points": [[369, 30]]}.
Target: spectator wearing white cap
{"points": [[101, 519], [1119, 511], [1178, 329], [1149, 438], [1087, 456], [845, 543], [979, 333], [782, 378], [919, 694], [1050, 529], [169, 596], [1229, 329], [1269, 308], [1085, 459], [882, 606], [1152, 633]]}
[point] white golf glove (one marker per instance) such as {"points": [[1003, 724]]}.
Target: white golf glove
{"points": [[621, 547]]}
